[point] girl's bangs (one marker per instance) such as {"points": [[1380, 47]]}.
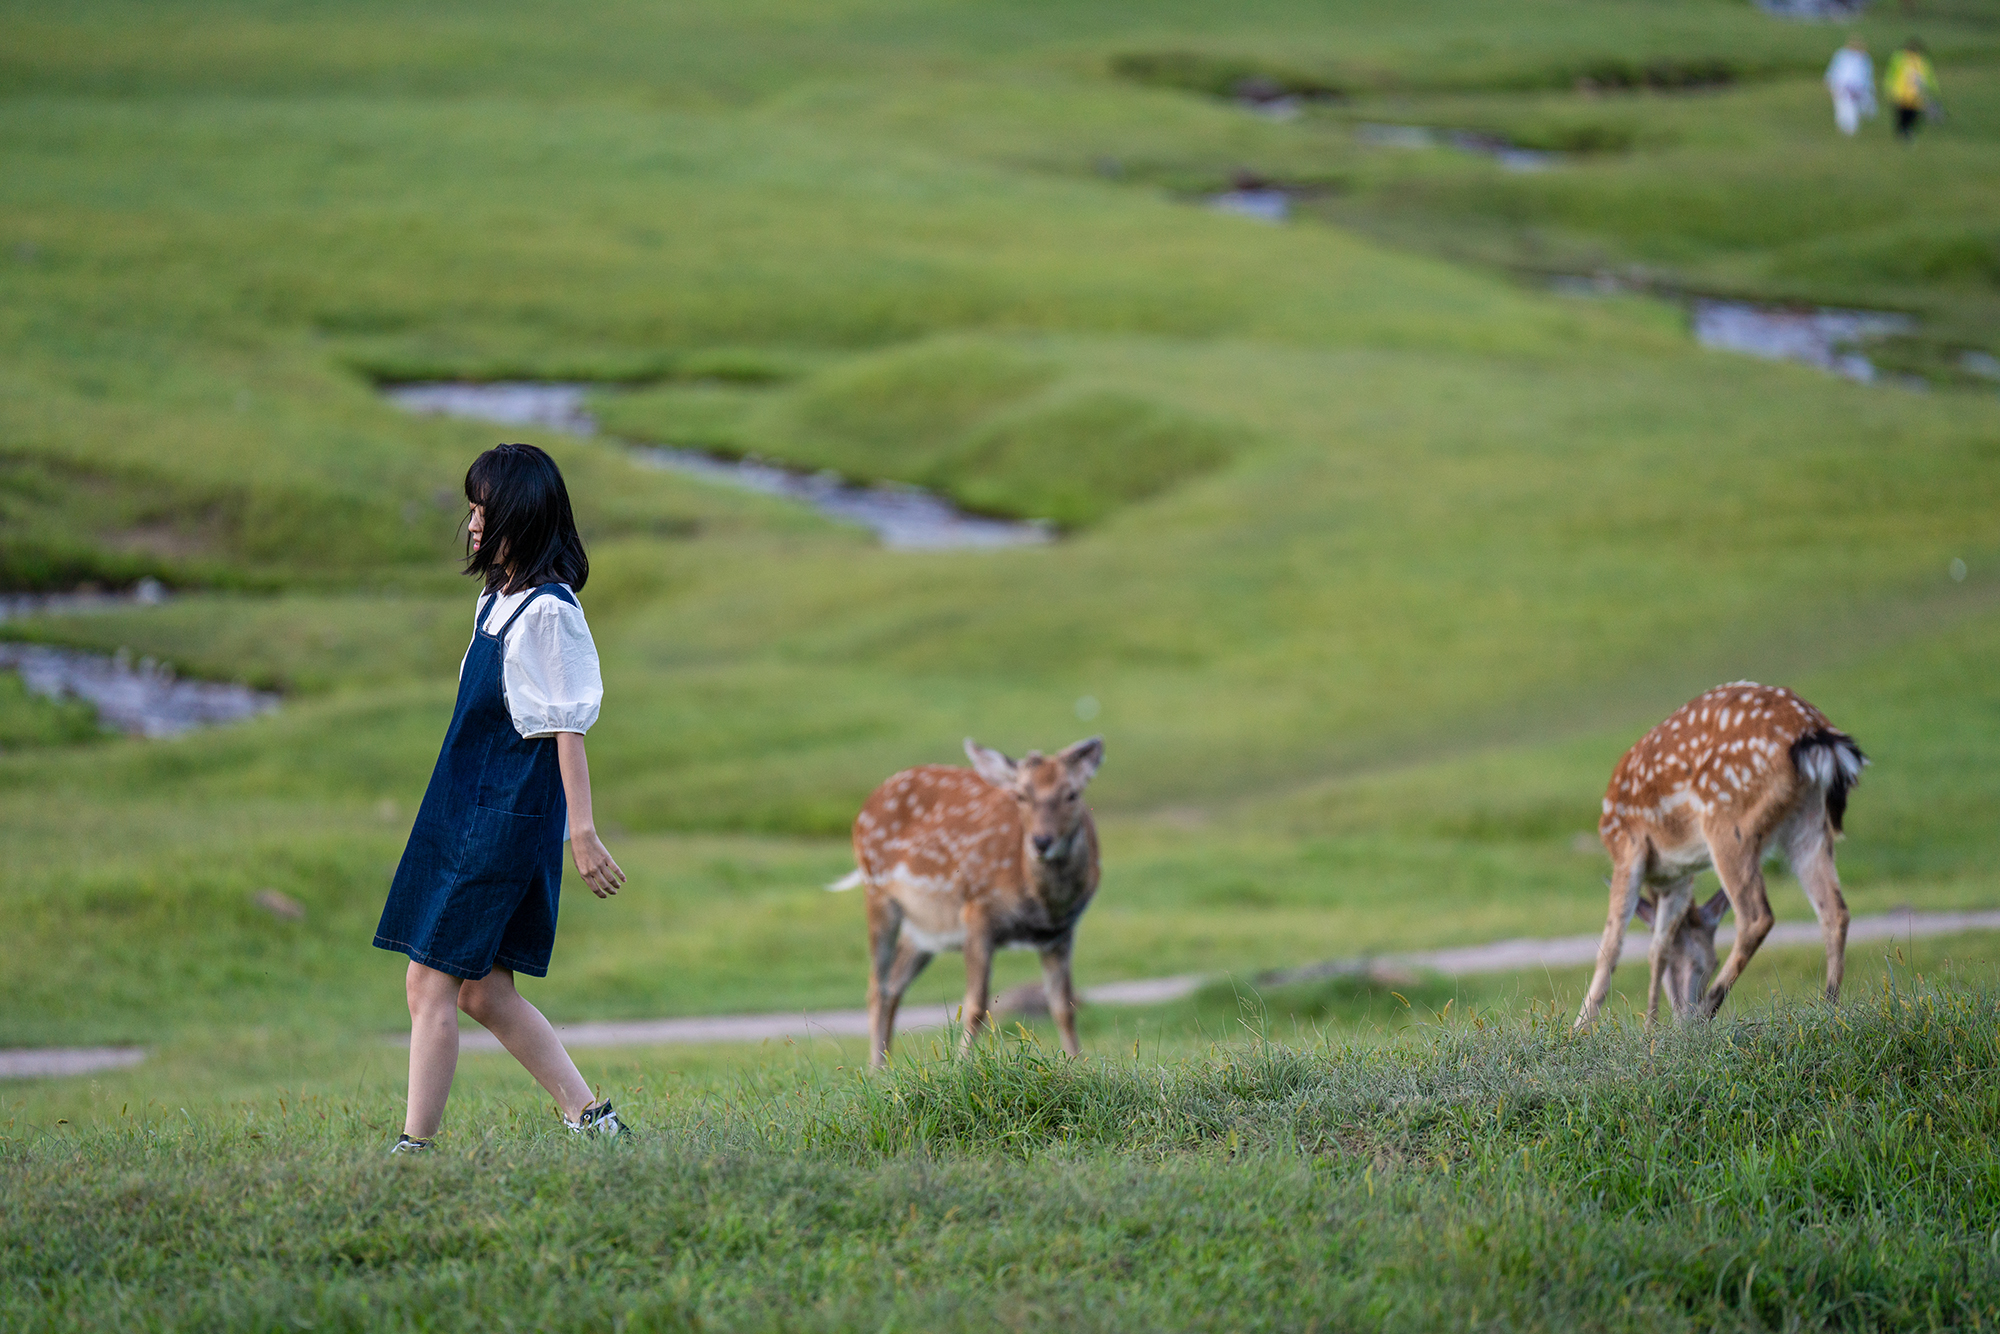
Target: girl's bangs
{"points": [[478, 483]]}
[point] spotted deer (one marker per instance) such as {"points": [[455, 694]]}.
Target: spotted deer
{"points": [[1731, 775], [1002, 854]]}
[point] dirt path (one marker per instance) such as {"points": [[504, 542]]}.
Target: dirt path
{"points": [[1510, 956], [45, 1062], [1501, 956]]}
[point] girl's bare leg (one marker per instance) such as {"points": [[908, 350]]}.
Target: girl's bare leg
{"points": [[527, 1036], [433, 1000]]}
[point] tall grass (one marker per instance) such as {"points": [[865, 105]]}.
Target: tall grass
{"points": [[1880, 1109], [1802, 1167]]}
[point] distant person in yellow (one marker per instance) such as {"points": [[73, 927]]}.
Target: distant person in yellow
{"points": [[1912, 85]]}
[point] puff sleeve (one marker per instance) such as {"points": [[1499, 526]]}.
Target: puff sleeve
{"points": [[550, 672]]}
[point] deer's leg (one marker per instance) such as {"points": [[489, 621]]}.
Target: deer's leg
{"points": [[1669, 911], [1810, 851], [885, 924], [1061, 992], [1738, 857], [1627, 869], [903, 970], [978, 980]]}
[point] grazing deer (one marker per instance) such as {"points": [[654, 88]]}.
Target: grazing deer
{"points": [[1690, 957], [1732, 774], [1003, 854]]}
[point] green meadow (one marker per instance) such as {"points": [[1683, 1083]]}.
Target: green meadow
{"points": [[1376, 550]]}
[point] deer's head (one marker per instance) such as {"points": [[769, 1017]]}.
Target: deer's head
{"points": [[1691, 958], [1047, 788]]}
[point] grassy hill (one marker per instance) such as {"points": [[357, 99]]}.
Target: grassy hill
{"points": [[1376, 554]]}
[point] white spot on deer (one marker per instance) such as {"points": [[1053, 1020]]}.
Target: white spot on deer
{"points": [[932, 942]]}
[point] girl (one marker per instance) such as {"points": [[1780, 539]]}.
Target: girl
{"points": [[474, 900]]}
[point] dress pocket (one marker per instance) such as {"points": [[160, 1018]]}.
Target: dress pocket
{"points": [[504, 849], [522, 778]]}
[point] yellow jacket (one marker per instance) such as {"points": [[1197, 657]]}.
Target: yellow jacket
{"points": [[1910, 81]]}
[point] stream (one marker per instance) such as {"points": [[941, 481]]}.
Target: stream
{"points": [[1510, 156], [142, 698], [146, 698], [905, 518], [1822, 337], [1272, 201], [1828, 337]]}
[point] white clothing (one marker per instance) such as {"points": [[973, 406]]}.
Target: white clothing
{"points": [[548, 669], [1851, 69], [1850, 77]]}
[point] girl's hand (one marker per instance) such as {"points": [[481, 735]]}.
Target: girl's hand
{"points": [[594, 863]]}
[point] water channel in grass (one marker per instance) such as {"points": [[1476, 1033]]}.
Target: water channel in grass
{"points": [[1509, 155], [138, 698], [1829, 337], [1825, 337], [1251, 196], [903, 517], [142, 698], [146, 698]]}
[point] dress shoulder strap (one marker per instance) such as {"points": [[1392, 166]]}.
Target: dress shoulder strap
{"points": [[551, 590]]}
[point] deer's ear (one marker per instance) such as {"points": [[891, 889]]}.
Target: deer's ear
{"points": [[1645, 911], [1712, 911], [991, 765], [1082, 759]]}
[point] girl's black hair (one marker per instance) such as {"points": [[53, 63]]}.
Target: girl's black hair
{"points": [[531, 536]]}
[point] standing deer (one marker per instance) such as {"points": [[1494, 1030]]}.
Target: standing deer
{"points": [[1004, 854], [1732, 774]]}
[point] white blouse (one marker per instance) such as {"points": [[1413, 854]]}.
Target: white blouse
{"points": [[549, 668]]}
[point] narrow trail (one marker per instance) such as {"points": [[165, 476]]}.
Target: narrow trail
{"points": [[46, 1062], [1500, 956]]}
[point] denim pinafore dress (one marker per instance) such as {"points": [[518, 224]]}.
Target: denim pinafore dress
{"points": [[478, 882]]}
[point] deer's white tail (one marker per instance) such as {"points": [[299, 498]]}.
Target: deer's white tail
{"points": [[1829, 759], [852, 880]]}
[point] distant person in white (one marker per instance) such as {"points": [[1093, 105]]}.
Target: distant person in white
{"points": [[1850, 77]]}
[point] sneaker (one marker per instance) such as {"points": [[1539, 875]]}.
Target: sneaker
{"points": [[408, 1144], [597, 1119]]}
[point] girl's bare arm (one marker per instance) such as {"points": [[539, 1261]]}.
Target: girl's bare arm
{"points": [[593, 862]]}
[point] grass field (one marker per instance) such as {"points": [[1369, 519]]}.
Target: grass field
{"points": [[1803, 1169], [1376, 554]]}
